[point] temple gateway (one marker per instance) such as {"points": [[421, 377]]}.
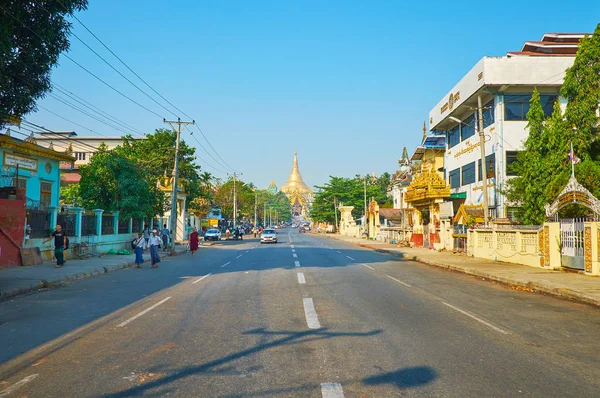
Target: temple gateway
{"points": [[300, 195]]}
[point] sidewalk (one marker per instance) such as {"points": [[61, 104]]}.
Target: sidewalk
{"points": [[20, 280], [572, 286]]}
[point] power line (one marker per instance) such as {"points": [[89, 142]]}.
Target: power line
{"points": [[85, 69]]}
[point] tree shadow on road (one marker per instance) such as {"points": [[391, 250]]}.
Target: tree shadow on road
{"points": [[283, 337]]}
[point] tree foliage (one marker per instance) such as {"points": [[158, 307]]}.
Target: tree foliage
{"points": [[111, 181], [544, 167], [349, 192], [32, 36], [70, 195]]}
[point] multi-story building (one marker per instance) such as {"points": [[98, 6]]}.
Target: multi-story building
{"points": [[504, 86], [81, 147]]}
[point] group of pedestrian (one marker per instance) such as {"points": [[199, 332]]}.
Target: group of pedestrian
{"points": [[149, 239]]}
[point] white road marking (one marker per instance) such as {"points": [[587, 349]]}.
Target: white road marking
{"points": [[133, 318], [301, 279], [198, 280], [246, 251], [497, 329], [226, 264], [350, 258], [369, 267], [332, 390], [399, 281], [337, 251], [297, 263], [312, 320], [293, 250], [17, 385], [294, 255], [239, 256], [292, 246]]}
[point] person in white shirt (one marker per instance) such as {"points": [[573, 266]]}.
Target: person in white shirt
{"points": [[140, 246], [154, 243]]}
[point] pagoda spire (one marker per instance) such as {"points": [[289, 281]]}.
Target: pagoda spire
{"points": [[424, 131]]}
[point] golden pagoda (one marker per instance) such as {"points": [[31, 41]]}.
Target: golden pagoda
{"points": [[297, 191]]}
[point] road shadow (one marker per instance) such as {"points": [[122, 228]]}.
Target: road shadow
{"points": [[281, 338], [404, 378]]}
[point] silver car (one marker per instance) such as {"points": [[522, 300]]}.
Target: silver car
{"points": [[268, 236]]}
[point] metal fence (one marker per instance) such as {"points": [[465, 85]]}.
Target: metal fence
{"points": [[123, 226], [67, 222], [88, 224], [108, 224], [39, 221]]}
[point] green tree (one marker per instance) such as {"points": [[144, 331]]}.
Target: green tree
{"points": [[70, 195], [223, 198], [582, 90], [111, 181], [32, 36]]}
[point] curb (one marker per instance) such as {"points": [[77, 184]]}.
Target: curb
{"points": [[49, 283], [564, 293]]}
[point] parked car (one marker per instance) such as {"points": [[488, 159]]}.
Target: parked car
{"points": [[268, 236], [212, 234], [301, 229]]}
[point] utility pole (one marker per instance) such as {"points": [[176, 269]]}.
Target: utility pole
{"points": [[365, 211], [255, 212], [173, 223], [235, 199], [483, 162], [265, 215], [335, 211]]}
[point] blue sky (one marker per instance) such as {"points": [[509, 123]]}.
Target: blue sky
{"points": [[347, 84]]}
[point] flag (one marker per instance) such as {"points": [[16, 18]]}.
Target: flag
{"points": [[574, 159]]}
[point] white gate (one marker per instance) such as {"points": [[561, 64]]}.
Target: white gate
{"points": [[572, 242]]}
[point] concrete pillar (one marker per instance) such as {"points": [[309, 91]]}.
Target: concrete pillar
{"points": [[552, 254], [53, 210], [98, 213], [116, 222], [130, 227], [78, 216], [591, 234]]}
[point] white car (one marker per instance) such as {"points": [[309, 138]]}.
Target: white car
{"points": [[212, 234], [268, 236]]}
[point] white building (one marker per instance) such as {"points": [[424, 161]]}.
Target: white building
{"points": [[505, 85], [83, 149]]}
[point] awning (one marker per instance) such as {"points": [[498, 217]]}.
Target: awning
{"points": [[459, 195]]}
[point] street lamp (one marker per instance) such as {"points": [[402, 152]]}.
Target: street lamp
{"points": [[479, 128]]}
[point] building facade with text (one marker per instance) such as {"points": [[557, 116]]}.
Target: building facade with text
{"points": [[504, 85]]}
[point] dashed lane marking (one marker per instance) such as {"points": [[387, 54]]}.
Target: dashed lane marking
{"points": [[399, 281], [339, 252], [133, 318], [226, 264], [497, 329], [312, 320], [301, 279], [293, 250], [332, 390], [199, 279], [294, 255], [369, 267], [17, 385], [297, 263], [350, 258], [239, 256]]}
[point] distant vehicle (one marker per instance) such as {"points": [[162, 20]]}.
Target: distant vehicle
{"points": [[212, 234], [302, 229], [268, 236], [294, 225]]}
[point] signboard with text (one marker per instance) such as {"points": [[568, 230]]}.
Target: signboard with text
{"points": [[12, 160]]}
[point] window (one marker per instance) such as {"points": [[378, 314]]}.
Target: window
{"points": [[468, 173], [490, 165], [516, 106], [46, 193], [511, 158], [488, 114], [454, 177], [467, 128], [80, 155], [454, 136]]}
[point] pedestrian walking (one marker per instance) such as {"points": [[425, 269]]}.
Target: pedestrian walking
{"points": [[154, 243], [194, 241], [165, 236], [140, 246], [146, 233], [60, 245]]}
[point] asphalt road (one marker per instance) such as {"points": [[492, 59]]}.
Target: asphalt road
{"points": [[310, 318]]}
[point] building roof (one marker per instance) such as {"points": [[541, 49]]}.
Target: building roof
{"points": [[552, 44], [32, 148], [391, 214]]}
